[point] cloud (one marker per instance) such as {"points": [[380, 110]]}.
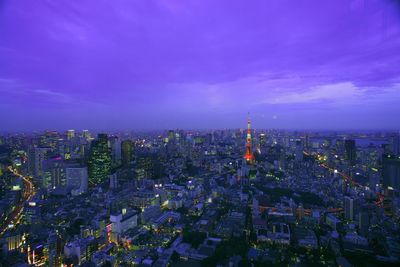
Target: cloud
{"points": [[66, 30], [275, 89], [17, 87], [50, 93], [328, 92]]}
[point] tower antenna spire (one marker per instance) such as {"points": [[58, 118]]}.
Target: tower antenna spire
{"points": [[249, 156]]}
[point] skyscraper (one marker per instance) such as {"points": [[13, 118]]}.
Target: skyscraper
{"points": [[391, 172], [395, 144], [56, 249], [86, 134], [263, 140], [115, 143], [70, 134], [299, 151], [40, 155], [53, 173], [307, 142], [171, 136], [113, 180], [99, 160], [363, 222], [127, 149], [349, 208], [249, 156], [351, 151], [77, 179]]}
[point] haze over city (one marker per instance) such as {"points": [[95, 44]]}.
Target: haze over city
{"points": [[199, 64]]}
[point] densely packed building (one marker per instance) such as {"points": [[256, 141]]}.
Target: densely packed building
{"points": [[222, 197]]}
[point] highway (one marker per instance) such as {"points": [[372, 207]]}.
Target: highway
{"points": [[348, 179], [29, 192]]}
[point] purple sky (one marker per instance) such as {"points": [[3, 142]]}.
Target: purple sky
{"points": [[118, 64]]}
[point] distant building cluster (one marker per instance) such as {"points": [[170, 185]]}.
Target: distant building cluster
{"points": [[239, 197]]}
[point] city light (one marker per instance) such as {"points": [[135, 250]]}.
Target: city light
{"points": [[199, 133]]}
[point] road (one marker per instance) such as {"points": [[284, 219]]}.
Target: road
{"points": [[348, 179], [29, 192]]}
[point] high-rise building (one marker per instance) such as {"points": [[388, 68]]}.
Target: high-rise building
{"points": [[53, 173], [115, 143], [77, 179], [256, 210], [263, 140], [70, 134], [300, 212], [299, 151], [14, 241], [172, 143], [395, 144], [86, 134], [149, 166], [363, 222], [307, 142], [31, 160], [56, 249], [113, 180], [127, 149], [249, 156], [40, 155], [351, 151], [171, 136], [349, 208], [391, 172], [99, 160]]}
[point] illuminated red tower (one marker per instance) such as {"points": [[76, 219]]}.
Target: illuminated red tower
{"points": [[249, 150]]}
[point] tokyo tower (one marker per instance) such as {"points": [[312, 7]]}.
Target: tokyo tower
{"points": [[249, 150]]}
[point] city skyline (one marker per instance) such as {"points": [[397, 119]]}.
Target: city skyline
{"points": [[199, 65], [199, 133]]}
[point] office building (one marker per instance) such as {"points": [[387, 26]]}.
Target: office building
{"points": [[391, 172], [115, 143], [363, 222], [99, 160], [349, 208], [395, 144], [351, 151], [123, 221], [77, 179], [127, 150], [40, 155], [86, 134], [70, 134], [113, 181], [299, 151], [263, 140], [53, 173]]}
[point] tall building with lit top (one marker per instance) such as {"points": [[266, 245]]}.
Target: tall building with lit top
{"points": [[249, 156], [70, 134], [99, 163], [263, 140], [86, 134]]}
